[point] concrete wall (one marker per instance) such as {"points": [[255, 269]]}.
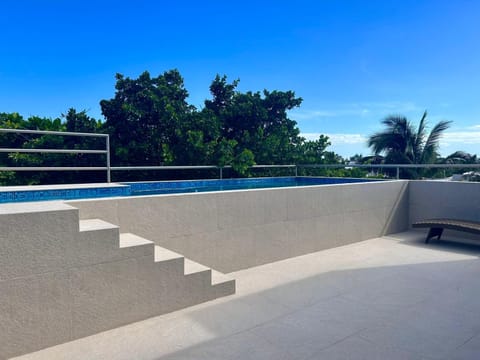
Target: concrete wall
{"points": [[59, 281], [442, 199], [445, 199], [62, 279], [233, 230]]}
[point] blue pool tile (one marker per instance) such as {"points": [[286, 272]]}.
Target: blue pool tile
{"points": [[169, 187]]}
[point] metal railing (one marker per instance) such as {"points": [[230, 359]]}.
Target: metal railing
{"points": [[397, 167], [198, 167], [106, 152], [108, 168], [297, 167]]}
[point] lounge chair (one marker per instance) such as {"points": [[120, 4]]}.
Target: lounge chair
{"points": [[437, 225]]}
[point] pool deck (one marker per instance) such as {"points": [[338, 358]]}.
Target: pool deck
{"points": [[385, 298]]}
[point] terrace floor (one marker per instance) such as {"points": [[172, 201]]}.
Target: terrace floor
{"points": [[385, 298]]}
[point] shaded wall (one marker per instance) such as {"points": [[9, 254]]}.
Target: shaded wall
{"points": [[445, 199], [234, 230]]}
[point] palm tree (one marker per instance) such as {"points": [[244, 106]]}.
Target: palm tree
{"points": [[460, 157], [403, 144]]}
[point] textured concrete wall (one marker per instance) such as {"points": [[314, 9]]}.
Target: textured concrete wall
{"points": [[61, 278], [442, 199], [239, 229]]}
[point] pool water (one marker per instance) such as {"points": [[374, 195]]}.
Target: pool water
{"points": [[71, 192], [189, 186]]}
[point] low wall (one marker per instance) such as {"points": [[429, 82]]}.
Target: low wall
{"points": [[234, 230], [444, 199]]}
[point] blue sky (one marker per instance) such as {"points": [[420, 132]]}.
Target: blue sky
{"points": [[353, 62]]}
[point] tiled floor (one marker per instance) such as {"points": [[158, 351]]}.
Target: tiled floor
{"points": [[385, 298]]}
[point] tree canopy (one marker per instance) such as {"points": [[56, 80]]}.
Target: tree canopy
{"points": [[71, 121], [150, 122]]}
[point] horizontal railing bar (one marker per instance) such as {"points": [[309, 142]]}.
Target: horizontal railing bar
{"points": [[193, 167], [121, 168], [57, 151], [53, 168], [48, 132], [412, 166], [273, 166]]}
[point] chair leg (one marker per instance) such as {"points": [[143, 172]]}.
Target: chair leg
{"points": [[434, 231]]}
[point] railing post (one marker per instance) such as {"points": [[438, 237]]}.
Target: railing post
{"points": [[296, 170], [398, 173], [221, 172], [107, 144]]}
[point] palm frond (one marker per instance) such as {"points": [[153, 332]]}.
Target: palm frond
{"points": [[420, 137], [431, 145], [400, 139], [386, 142], [393, 137]]}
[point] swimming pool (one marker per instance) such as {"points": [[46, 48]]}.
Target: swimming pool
{"points": [[93, 191], [188, 186]]}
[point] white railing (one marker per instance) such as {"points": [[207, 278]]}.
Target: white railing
{"points": [[107, 168], [197, 167]]}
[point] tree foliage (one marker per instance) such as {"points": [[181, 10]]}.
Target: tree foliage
{"points": [[150, 122], [256, 122], [72, 121], [460, 157], [142, 117]]}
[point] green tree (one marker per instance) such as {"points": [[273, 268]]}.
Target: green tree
{"points": [[74, 121], [313, 151], [144, 116], [255, 121], [402, 143], [460, 157], [151, 123]]}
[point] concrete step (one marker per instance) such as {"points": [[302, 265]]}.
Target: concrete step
{"points": [[223, 284], [192, 267], [162, 254], [95, 225], [220, 278], [100, 242], [169, 260], [129, 240], [133, 246]]}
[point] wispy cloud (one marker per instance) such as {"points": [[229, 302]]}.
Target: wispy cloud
{"points": [[462, 137], [391, 106], [448, 138], [376, 109], [338, 139], [474, 127], [312, 114]]}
